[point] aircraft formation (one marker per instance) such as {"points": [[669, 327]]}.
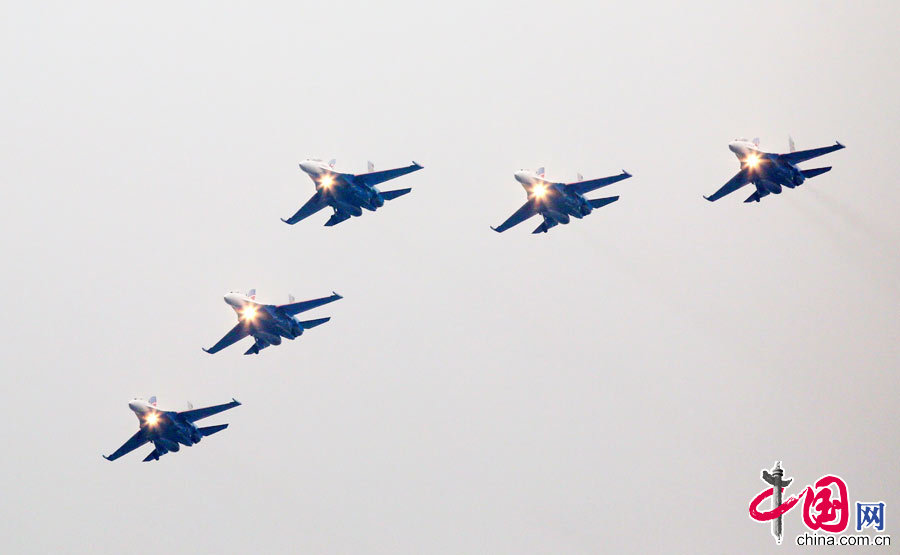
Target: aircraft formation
{"points": [[349, 194]]}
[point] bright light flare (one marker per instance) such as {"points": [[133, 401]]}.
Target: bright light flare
{"points": [[539, 190], [752, 160], [152, 419], [248, 313], [326, 181]]}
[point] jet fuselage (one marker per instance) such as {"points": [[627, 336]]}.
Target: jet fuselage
{"points": [[267, 323], [555, 203], [167, 430], [341, 190], [769, 174]]}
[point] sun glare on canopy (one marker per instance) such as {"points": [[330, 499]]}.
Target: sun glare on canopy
{"points": [[539, 190], [248, 313]]}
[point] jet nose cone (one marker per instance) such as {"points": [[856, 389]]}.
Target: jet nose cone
{"points": [[741, 148], [521, 176], [135, 405], [308, 166]]}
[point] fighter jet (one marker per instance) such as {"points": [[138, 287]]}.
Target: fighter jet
{"points": [[770, 172], [268, 323], [556, 202], [168, 430], [347, 194]]}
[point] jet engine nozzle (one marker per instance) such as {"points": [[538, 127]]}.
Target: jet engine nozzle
{"points": [[772, 187], [167, 445]]}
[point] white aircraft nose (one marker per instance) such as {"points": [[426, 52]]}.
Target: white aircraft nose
{"points": [[233, 300], [308, 167], [739, 147], [136, 406], [523, 177]]}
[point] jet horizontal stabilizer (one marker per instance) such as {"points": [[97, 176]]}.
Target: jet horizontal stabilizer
{"points": [[210, 430], [814, 172], [313, 323], [390, 195], [598, 202]]}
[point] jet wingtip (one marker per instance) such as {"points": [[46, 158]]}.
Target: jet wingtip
{"points": [[235, 401], [838, 143], [417, 165], [335, 294], [495, 229], [707, 198], [625, 173], [205, 350], [105, 457]]}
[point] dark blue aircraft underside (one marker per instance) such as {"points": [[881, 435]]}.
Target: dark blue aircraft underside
{"points": [[171, 430], [272, 323], [562, 201], [771, 173], [349, 194]]}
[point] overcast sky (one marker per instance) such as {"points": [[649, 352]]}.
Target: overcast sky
{"points": [[615, 385]]}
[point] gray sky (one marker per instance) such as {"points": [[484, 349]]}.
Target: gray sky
{"points": [[615, 385]]}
